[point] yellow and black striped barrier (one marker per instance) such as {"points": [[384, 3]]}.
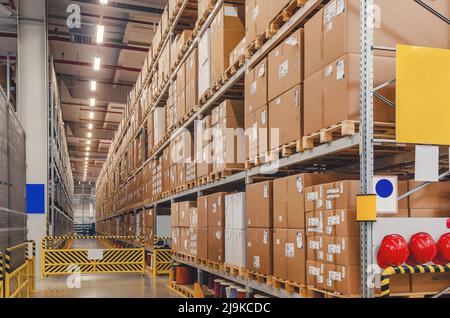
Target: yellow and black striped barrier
{"points": [[161, 261], [20, 282], [2, 295], [406, 269], [130, 259]]}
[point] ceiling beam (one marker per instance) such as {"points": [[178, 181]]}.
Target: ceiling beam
{"points": [[124, 6], [85, 64], [56, 38]]}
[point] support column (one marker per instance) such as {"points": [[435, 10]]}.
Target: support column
{"points": [[33, 105]]}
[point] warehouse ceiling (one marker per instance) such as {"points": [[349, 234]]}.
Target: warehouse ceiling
{"points": [[129, 28]]}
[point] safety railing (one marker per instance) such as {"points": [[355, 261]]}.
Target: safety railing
{"points": [[130, 259], [161, 261], [407, 269], [19, 282]]}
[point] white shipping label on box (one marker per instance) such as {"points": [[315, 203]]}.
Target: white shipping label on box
{"points": [[230, 11], [340, 70], [95, 254], [299, 240], [427, 163], [266, 191], [266, 237], [256, 262], [289, 250], [300, 185], [284, 69]]}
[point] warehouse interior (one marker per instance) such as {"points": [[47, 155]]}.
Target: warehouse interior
{"points": [[226, 149]]}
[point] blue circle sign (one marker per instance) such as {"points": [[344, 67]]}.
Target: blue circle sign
{"points": [[384, 188]]}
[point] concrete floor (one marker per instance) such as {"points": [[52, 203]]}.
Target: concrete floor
{"points": [[103, 286]]}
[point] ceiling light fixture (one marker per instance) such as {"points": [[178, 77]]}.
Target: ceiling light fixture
{"points": [[87, 154], [91, 116], [97, 63], [89, 135], [88, 142], [92, 102], [100, 33], [93, 86], [88, 148], [90, 125], [104, 2]]}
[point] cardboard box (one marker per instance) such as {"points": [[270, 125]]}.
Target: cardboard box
{"points": [[434, 197], [216, 209], [204, 63], [429, 282], [280, 261], [236, 247], [192, 80], [257, 18], [202, 211], [262, 132], [256, 81], [295, 252], [227, 30], [286, 116], [181, 79], [342, 250], [175, 215], [235, 217], [340, 223], [334, 30], [260, 205], [176, 243], [202, 242], [315, 272], [286, 65], [260, 250], [347, 280], [216, 244], [315, 223], [184, 215], [239, 51], [275, 8], [315, 250], [332, 94]]}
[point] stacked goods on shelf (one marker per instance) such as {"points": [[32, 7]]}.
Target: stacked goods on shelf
{"points": [[216, 227], [202, 227], [13, 224], [235, 230], [227, 121], [184, 237], [227, 30], [259, 201], [192, 81], [204, 156], [181, 152], [238, 52], [332, 57]]}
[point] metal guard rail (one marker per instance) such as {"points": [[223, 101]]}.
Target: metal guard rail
{"points": [[20, 282], [407, 269]]}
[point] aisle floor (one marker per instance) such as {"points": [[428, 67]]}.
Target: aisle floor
{"points": [[103, 286]]}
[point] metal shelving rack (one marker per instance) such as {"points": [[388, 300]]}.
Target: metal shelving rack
{"points": [[363, 143], [61, 184]]}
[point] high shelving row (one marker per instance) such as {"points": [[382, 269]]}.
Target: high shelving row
{"points": [[61, 182], [361, 152], [13, 219]]}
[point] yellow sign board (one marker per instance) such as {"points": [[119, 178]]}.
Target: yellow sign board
{"points": [[366, 208], [423, 95]]}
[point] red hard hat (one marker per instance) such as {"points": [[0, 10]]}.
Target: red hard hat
{"points": [[393, 251], [422, 249], [443, 250]]}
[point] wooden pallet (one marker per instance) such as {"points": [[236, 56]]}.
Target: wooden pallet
{"points": [[184, 290], [185, 257], [191, 184], [289, 286], [258, 277], [202, 261], [233, 69], [221, 174], [215, 265], [274, 26], [203, 180], [234, 270], [346, 128]]}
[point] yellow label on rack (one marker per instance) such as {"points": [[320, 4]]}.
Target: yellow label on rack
{"points": [[366, 208], [423, 95]]}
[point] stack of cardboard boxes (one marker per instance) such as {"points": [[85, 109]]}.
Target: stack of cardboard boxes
{"points": [[274, 111], [259, 203], [228, 135], [235, 230], [203, 146], [226, 31], [181, 215]]}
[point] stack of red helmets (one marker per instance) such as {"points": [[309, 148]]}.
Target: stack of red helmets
{"points": [[421, 249]]}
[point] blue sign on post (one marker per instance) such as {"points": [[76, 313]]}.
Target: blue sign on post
{"points": [[36, 198]]}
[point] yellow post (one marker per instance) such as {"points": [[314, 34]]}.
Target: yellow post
{"points": [[198, 291], [7, 273], [43, 246], [154, 272]]}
